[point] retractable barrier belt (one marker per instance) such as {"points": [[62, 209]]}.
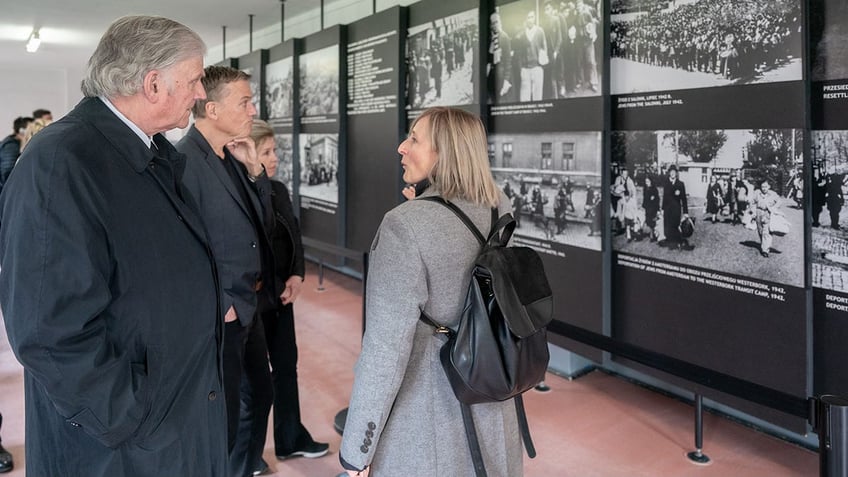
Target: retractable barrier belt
{"points": [[765, 396]]}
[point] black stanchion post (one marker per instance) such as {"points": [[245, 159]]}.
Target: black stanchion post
{"points": [[833, 436], [697, 456], [321, 275]]}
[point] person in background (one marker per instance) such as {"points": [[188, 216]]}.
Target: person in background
{"points": [[651, 204], [291, 439], [10, 147], [33, 128], [764, 203], [108, 289], [675, 209], [233, 194], [403, 417], [43, 114], [6, 462]]}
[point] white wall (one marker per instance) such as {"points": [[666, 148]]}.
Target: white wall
{"points": [[22, 91]]}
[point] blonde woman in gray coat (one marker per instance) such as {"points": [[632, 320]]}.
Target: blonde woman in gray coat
{"points": [[403, 417]]}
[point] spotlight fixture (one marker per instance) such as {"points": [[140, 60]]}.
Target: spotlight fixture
{"points": [[34, 42]]}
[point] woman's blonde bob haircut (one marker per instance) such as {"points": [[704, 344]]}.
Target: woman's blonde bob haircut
{"points": [[462, 170]]}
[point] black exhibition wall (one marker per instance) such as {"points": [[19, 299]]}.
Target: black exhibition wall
{"points": [[829, 165], [321, 151], [281, 78], [376, 121], [637, 114], [698, 129], [546, 122]]}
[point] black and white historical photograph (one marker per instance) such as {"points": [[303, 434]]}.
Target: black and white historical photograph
{"points": [[279, 85], [319, 167], [319, 82], [660, 45], [285, 155], [554, 182], [829, 39], [829, 151], [440, 61], [544, 50], [727, 200]]}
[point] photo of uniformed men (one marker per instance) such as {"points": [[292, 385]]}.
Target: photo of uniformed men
{"points": [[726, 200], [659, 45], [544, 49], [440, 61]]}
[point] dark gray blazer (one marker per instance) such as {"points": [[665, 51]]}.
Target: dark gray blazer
{"points": [[110, 300], [232, 231]]}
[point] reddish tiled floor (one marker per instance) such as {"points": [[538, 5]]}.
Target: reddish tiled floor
{"points": [[589, 427]]}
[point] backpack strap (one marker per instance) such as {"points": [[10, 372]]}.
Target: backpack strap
{"points": [[459, 213], [474, 442], [524, 427]]}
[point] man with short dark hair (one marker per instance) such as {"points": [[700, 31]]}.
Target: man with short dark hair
{"points": [[44, 114], [108, 288], [224, 174], [10, 147]]}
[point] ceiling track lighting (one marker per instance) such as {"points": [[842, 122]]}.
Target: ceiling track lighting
{"points": [[33, 42]]}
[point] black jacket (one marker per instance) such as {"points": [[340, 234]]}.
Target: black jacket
{"points": [[110, 299], [286, 239]]}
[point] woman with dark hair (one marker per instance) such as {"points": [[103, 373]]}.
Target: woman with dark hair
{"points": [[291, 439], [651, 204], [675, 210], [404, 418], [715, 200]]}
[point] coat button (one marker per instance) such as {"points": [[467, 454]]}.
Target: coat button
{"points": [[364, 449], [213, 395], [75, 424], [369, 433], [372, 426], [180, 217], [367, 441], [253, 244]]}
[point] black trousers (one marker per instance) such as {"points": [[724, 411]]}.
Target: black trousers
{"points": [[246, 379], [289, 433]]}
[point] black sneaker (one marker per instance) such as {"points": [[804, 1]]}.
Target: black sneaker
{"points": [[310, 451], [6, 463], [263, 468]]}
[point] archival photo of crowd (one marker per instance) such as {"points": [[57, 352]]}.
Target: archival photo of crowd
{"points": [[545, 50], [319, 82], [254, 86], [319, 166], [829, 39], [440, 61], [660, 45], [829, 151], [727, 200], [285, 166], [554, 183], [279, 81]]}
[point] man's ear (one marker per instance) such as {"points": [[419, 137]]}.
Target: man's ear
{"points": [[211, 108], [153, 85]]}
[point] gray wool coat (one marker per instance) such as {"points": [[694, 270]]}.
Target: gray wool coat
{"points": [[403, 417]]}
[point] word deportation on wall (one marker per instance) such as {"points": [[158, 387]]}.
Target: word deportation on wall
{"points": [[706, 277]]}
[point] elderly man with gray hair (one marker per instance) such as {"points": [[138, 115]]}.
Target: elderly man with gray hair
{"points": [[107, 284]]}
